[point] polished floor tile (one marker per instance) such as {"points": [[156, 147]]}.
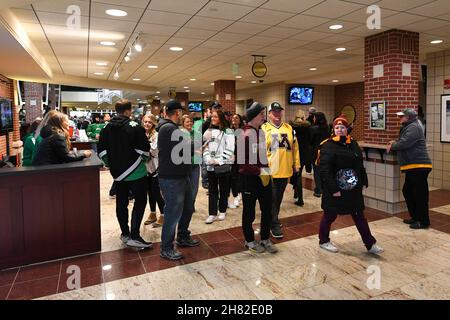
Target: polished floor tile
{"points": [[216, 236], [155, 263], [89, 261], [34, 288], [8, 276], [88, 277], [39, 271], [227, 247], [124, 269], [121, 255]]}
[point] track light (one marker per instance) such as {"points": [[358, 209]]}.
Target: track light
{"points": [[138, 43], [116, 74]]}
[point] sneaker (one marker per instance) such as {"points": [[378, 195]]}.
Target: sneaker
{"points": [[236, 202], [376, 249], [255, 247], [171, 254], [231, 205], [269, 246], [409, 221], [418, 225], [130, 199], [112, 196], [221, 216], [276, 232], [138, 243], [299, 203], [188, 242], [329, 247], [124, 239], [317, 195], [210, 219], [159, 222], [151, 218]]}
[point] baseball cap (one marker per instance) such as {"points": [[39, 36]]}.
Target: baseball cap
{"points": [[253, 110], [275, 106], [312, 110], [408, 112], [173, 105], [215, 105]]}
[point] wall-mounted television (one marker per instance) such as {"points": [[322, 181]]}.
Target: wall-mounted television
{"points": [[301, 95], [195, 106], [6, 116]]}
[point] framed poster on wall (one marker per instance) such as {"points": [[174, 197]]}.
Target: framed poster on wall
{"points": [[377, 115], [445, 118]]}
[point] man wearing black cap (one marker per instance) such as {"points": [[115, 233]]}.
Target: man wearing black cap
{"points": [[256, 181], [284, 160], [174, 172], [416, 164]]}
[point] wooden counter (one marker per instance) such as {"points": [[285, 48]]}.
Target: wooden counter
{"points": [[49, 212]]}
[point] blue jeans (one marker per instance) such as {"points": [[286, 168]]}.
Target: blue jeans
{"points": [[177, 194], [204, 175], [195, 176]]}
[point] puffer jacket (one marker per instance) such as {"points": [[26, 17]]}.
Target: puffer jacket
{"points": [[411, 147]]}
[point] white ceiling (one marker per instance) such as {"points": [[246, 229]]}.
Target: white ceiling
{"points": [[293, 34]]}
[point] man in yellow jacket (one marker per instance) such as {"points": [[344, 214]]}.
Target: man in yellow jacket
{"points": [[284, 159]]}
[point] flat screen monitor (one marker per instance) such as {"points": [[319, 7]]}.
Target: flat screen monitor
{"points": [[195, 106], [301, 95], [6, 115]]}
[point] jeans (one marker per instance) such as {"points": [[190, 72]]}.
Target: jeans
{"points": [[139, 189], [234, 181], [219, 189], [361, 224], [154, 194], [204, 172], [278, 188], [177, 194], [317, 181], [195, 176], [299, 185], [415, 191]]}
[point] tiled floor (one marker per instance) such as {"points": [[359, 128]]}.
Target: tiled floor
{"points": [[415, 265]]}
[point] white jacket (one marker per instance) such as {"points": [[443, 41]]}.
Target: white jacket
{"points": [[152, 163], [219, 146]]}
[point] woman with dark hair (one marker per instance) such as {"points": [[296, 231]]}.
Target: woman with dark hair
{"points": [[318, 133], [55, 145], [30, 143], [236, 124], [218, 156]]}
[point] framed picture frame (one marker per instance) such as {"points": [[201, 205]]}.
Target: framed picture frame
{"points": [[445, 118], [377, 115]]}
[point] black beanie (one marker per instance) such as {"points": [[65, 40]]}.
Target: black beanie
{"points": [[253, 111]]}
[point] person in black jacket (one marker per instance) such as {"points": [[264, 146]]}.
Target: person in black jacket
{"points": [[174, 180], [124, 148], [318, 133], [55, 146], [343, 177]]}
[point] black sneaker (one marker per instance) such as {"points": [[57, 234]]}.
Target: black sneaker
{"points": [[188, 242], [299, 203], [409, 221], [276, 232], [418, 225], [317, 195], [171, 254]]}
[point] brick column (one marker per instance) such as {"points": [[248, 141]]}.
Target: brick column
{"points": [[183, 97], [33, 92], [7, 91], [390, 50], [225, 93]]}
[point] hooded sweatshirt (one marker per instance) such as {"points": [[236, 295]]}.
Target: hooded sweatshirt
{"points": [[124, 148], [178, 165]]}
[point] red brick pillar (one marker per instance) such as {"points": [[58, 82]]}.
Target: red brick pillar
{"points": [[225, 94], [33, 100], [394, 55], [183, 98]]}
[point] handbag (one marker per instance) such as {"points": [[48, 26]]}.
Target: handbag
{"points": [[224, 169]]}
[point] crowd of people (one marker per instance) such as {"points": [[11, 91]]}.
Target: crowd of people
{"points": [[240, 160]]}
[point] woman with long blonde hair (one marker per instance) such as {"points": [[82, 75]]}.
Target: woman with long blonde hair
{"points": [[55, 145]]}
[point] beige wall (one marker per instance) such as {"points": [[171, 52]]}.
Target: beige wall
{"points": [[266, 94], [438, 69]]}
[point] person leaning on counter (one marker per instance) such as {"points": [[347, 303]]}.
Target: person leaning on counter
{"points": [[55, 145]]}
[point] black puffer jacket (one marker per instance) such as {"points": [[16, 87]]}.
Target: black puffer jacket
{"points": [[335, 156], [302, 132], [317, 135], [53, 149]]}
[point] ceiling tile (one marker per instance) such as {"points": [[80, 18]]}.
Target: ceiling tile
{"points": [[195, 33], [290, 43], [294, 6], [339, 39], [24, 15], [333, 9], [400, 20], [61, 6], [426, 25], [444, 32], [268, 17], [262, 41], [246, 28], [165, 18], [230, 37], [108, 25], [251, 3], [208, 23], [311, 35], [215, 44], [223, 10], [402, 5], [433, 9], [279, 32], [178, 41], [128, 3], [98, 10], [156, 29], [361, 16], [178, 6], [304, 22], [59, 19]]}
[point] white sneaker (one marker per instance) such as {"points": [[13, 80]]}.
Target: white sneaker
{"points": [[210, 219], [236, 202], [221, 216], [329, 247], [231, 205], [376, 249]]}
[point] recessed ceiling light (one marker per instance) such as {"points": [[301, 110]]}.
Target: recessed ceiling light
{"points": [[158, 92], [98, 73], [107, 43], [176, 49], [116, 12], [238, 77], [127, 58], [101, 64], [212, 83], [187, 90], [335, 81], [253, 81], [312, 69], [436, 41], [336, 27], [341, 49], [152, 67], [202, 93], [192, 79], [136, 79], [186, 87]]}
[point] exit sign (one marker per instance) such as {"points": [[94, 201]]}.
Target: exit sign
{"points": [[447, 84]]}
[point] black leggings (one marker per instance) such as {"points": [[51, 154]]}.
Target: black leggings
{"points": [[154, 194]]}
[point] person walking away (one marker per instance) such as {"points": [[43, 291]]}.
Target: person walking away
{"points": [[318, 132], [237, 125]]}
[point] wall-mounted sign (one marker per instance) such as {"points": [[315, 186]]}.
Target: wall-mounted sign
{"points": [[447, 84], [107, 96], [377, 115], [259, 69]]}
